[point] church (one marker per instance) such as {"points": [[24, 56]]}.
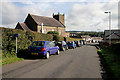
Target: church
{"points": [[43, 24]]}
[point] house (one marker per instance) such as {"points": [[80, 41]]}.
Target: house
{"points": [[113, 35], [97, 39], [87, 38], [90, 39], [43, 24]]}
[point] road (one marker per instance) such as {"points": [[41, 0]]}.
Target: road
{"points": [[82, 62]]}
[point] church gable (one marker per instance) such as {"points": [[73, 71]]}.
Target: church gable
{"points": [[31, 23]]}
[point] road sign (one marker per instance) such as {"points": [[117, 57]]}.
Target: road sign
{"points": [[16, 35]]}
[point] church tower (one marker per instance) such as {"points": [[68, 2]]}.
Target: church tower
{"points": [[59, 17]]}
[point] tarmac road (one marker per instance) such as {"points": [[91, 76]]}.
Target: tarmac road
{"points": [[82, 62]]}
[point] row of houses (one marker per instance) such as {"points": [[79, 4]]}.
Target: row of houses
{"points": [[91, 39], [109, 35]]}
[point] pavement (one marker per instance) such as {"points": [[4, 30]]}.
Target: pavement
{"points": [[82, 62]]}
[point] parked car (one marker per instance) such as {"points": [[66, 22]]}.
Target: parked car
{"points": [[62, 45], [84, 42], [77, 43], [71, 44], [43, 48], [81, 42]]}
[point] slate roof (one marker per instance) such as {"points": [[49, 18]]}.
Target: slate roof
{"points": [[115, 34], [47, 21], [24, 26]]}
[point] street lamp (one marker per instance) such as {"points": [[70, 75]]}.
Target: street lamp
{"points": [[109, 26]]}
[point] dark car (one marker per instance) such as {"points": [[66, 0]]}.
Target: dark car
{"points": [[62, 45], [77, 43], [81, 42], [71, 44], [43, 48], [84, 42]]}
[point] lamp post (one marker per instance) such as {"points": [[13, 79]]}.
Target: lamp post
{"points": [[109, 13]]}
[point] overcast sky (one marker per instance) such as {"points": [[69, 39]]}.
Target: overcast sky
{"points": [[80, 15]]}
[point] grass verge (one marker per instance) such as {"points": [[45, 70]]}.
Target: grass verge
{"points": [[12, 59], [110, 61]]}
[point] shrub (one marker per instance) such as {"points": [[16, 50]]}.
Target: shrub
{"points": [[56, 38], [25, 39], [53, 32]]}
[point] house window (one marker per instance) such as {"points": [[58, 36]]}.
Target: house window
{"points": [[60, 32], [45, 31], [52, 29]]}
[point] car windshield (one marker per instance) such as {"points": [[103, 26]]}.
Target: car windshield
{"points": [[39, 43]]}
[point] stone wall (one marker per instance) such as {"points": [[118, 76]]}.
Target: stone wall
{"points": [[46, 29]]}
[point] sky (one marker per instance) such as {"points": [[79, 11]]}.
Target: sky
{"points": [[80, 15]]}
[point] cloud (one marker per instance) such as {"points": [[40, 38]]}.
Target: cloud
{"points": [[60, 0], [11, 13], [91, 16], [27, 2], [79, 16]]}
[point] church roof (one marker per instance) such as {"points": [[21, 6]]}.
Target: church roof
{"points": [[24, 26], [47, 21]]}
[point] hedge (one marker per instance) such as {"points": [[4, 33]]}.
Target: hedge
{"points": [[24, 40]]}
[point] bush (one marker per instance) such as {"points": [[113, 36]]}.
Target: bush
{"points": [[53, 32], [25, 39], [56, 38]]}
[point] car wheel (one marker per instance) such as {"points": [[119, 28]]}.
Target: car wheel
{"points": [[47, 55], [58, 52], [63, 49], [67, 48]]}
